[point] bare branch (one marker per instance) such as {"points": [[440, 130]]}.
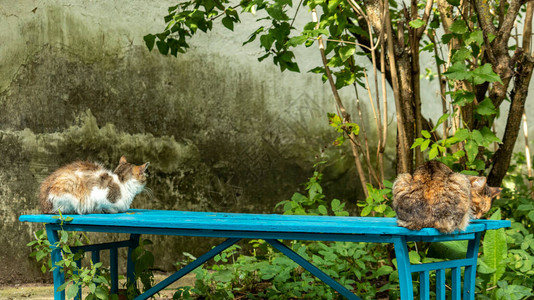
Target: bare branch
{"points": [[485, 20], [508, 23], [404, 160], [426, 17], [527, 29], [344, 113]]}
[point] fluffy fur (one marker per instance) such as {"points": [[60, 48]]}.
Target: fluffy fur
{"points": [[85, 187], [437, 197]]}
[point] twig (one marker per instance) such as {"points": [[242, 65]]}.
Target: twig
{"points": [[224, 12], [352, 43], [382, 142], [296, 12], [404, 161], [442, 87], [527, 29], [344, 113]]}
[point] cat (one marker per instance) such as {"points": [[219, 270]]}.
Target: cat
{"points": [[437, 197], [85, 187]]}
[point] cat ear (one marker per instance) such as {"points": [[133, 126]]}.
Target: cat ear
{"points": [[122, 160], [495, 192], [144, 167], [477, 182]]}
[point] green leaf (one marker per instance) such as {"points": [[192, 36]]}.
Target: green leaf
{"points": [[489, 136], [472, 150], [228, 23], [64, 237], [433, 152], [415, 258], [380, 208], [531, 216], [322, 210], [458, 71], [63, 286], [417, 23], [525, 207], [101, 293], [445, 39], [92, 287], [332, 5], [266, 41], [276, 12], [486, 108], [485, 74], [384, 270], [425, 134], [476, 37], [366, 211], [297, 40], [495, 250], [346, 52], [441, 119], [424, 145], [335, 204], [478, 138], [461, 54], [150, 39], [72, 291], [454, 2], [40, 255], [461, 135], [483, 268], [162, 47], [463, 97], [459, 27]]}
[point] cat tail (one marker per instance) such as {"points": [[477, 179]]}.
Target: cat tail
{"points": [[46, 204]]}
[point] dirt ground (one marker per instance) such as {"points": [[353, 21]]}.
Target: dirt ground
{"points": [[40, 291]]}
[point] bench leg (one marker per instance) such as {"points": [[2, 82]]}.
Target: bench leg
{"points": [[59, 277], [130, 267], [114, 270], [470, 271], [404, 267], [187, 269]]}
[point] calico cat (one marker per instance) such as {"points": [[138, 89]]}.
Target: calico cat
{"points": [[437, 197], [84, 187]]}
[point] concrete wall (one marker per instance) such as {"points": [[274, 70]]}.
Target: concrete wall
{"points": [[222, 132]]}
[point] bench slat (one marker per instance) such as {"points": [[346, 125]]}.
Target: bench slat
{"points": [[254, 222]]}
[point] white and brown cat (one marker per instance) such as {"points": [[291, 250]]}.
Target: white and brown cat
{"points": [[85, 187]]}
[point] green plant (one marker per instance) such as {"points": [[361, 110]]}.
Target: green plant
{"points": [[506, 264], [313, 203], [267, 274], [93, 278]]}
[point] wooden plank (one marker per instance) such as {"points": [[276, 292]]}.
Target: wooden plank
{"points": [[404, 268], [455, 263], [424, 285], [253, 222], [114, 269], [441, 289], [59, 277], [456, 285]]}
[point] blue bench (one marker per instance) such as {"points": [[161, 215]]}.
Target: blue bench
{"points": [[272, 228]]}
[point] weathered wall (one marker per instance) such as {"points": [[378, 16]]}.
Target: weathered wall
{"points": [[222, 132]]}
